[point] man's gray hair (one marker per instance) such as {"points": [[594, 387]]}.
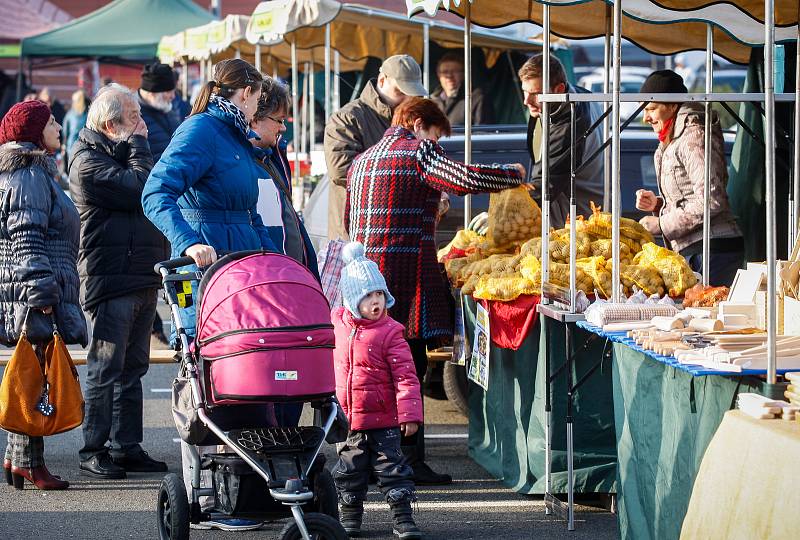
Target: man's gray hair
{"points": [[108, 106], [275, 97]]}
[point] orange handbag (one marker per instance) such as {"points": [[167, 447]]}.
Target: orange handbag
{"points": [[40, 404]]}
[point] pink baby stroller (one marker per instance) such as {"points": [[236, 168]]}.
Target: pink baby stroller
{"points": [[264, 336]]}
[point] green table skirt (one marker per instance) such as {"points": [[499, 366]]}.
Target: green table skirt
{"points": [[665, 419], [506, 423]]}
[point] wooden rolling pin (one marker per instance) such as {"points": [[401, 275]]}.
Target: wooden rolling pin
{"points": [[667, 323], [706, 325]]}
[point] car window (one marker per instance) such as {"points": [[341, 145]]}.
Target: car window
{"points": [[648, 168]]}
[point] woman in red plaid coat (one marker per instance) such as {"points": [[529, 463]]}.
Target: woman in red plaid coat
{"points": [[393, 191]]}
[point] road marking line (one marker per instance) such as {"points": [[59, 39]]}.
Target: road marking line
{"points": [[161, 390], [446, 436], [176, 440], [462, 505]]}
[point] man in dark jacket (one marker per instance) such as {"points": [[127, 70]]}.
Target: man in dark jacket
{"points": [[118, 249], [589, 179], [157, 101], [361, 123], [450, 94]]}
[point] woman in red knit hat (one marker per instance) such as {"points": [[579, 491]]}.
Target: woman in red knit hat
{"points": [[39, 233]]}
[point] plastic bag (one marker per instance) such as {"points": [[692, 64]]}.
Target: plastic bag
{"points": [[504, 288], [644, 277], [674, 269], [513, 217]]}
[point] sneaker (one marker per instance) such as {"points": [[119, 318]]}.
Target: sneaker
{"points": [[227, 524]]}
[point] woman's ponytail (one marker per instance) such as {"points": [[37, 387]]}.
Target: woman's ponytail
{"points": [[201, 101]]}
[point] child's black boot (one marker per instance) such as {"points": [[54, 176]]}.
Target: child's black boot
{"points": [[404, 526], [350, 516]]}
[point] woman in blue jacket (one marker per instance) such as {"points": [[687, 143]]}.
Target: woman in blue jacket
{"points": [[202, 193]]}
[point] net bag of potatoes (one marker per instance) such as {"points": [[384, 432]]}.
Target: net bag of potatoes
{"points": [[504, 288], [559, 275], [531, 268], [514, 217], [674, 270], [645, 278], [532, 247], [595, 268]]}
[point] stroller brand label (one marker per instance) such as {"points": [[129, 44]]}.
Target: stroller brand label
{"points": [[285, 375]]}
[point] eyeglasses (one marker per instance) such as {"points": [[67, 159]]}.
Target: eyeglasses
{"points": [[281, 122]]}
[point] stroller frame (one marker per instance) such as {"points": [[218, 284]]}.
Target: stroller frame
{"points": [[293, 494]]}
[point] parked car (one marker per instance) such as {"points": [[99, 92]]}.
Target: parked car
{"points": [[639, 143], [631, 81]]}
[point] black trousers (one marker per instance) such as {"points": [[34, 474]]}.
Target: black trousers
{"points": [[378, 451], [414, 446]]}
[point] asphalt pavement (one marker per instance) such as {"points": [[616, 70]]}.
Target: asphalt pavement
{"points": [[474, 506]]}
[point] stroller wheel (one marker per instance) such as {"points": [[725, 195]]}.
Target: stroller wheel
{"points": [[326, 500], [173, 509], [319, 526]]}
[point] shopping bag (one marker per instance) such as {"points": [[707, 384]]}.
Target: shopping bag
{"points": [[65, 394], [184, 411], [331, 263], [21, 390]]}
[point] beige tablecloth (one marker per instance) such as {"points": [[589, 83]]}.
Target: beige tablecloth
{"points": [[748, 486]]}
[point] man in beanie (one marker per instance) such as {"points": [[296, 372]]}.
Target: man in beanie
{"points": [[156, 97], [119, 247], [157, 100], [378, 389], [361, 123], [589, 178]]}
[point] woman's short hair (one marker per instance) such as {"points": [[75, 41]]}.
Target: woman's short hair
{"points": [[275, 98], [424, 109], [108, 106]]}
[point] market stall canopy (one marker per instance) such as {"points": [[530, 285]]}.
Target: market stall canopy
{"points": [[124, 28], [28, 20], [786, 11], [358, 32], [645, 22]]}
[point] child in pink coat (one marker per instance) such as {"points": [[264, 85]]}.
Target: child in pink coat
{"points": [[378, 389]]}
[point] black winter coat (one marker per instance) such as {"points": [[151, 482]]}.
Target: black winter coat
{"points": [[160, 127], [39, 233], [453, 107], [119, 245]]}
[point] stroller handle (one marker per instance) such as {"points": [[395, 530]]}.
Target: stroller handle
{"points": [[172, 264]]}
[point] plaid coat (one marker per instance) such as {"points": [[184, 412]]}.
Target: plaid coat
{"points": [[393, 192]]}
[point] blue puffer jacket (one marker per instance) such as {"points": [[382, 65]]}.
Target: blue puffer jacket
{"points": [[204, 190], [160, 127]]}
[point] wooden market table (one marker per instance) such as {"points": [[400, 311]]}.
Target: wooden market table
{"points": [[748, 485]]}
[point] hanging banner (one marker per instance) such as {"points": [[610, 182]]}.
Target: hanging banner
{"points": [[479, 363]]}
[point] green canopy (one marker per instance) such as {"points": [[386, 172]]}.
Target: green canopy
{"points": [[123, 29]]}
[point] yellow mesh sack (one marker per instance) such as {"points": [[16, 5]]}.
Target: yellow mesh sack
{"points": [[463, 240], [602, 248], [531, 268], [532, 247], [504, 288], [559, 275], [674, 270], [514, 217], [644, 277], [469, 285], [595, 267]]}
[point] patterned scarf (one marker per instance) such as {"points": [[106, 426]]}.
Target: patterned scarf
{"points": [[227, 110]]}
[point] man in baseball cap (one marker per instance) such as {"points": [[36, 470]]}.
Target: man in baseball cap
{"points": [[361, 123]]}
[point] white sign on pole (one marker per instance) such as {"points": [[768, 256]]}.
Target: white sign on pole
{"points": [[479, 364]]}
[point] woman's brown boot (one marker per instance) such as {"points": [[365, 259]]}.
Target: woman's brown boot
{"points": [[38, 476]]}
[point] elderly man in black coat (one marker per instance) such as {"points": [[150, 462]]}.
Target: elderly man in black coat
{"points": [[118, 249]]}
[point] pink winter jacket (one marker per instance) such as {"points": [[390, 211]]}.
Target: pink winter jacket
{"points": [[376, 382]]}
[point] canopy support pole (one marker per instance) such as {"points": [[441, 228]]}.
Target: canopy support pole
{"points": [[185, 78], [238, 53], [296, 127], [327, 71], [707, 157], [20, 77], [203, 74], [769, 113], [606, 90], [796, 216], [426, 56], [337, 94], [467, 104], [258, 57], [312, 105], [615, 152], [304, 112]]}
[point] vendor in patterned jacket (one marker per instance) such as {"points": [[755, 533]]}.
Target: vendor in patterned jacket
{"points": [[394, 190]]}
